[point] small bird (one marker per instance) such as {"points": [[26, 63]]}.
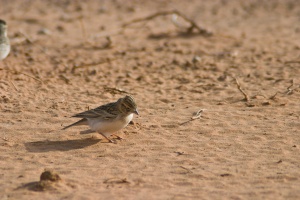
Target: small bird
{"points": [[109, 118], [4, 41]]}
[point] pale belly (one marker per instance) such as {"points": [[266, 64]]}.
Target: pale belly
{"points": [[4, 51], [109, 127]]}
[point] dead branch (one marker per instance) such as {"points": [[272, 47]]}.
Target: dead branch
{"points": [[108, 44], [17, 72], [12, 83], [188, 170], [32, 42], [179, 153], [26, 37], [289, 89], [197, 115], [258, 95], [115, 90], [82, 29], [116, 181], [5, 139], [107, 60], [241, 90], [292, 61], [190, 29], [273, 96]]}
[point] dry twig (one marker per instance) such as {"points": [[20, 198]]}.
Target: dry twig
{"points": [[82, 29], [115, 90], [190, 29], [5, 139], [17, 72], [292, 61], [179, 153], [107, 60], [116, 180], [32, 42], [26, 37], [12, 83], [188, 170], [289, 89], [273, 96], [108, 44], [241, 90], [197, 115]]}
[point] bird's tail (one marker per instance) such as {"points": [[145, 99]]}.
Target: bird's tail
{"points": [[80, 122]]}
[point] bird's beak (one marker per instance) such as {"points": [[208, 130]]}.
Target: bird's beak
{"points": [[136, 112]]}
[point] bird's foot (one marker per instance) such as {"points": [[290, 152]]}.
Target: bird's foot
{"points": [[118, 137]]}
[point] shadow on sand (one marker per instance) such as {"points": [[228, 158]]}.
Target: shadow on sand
{"points": [[67, 145]]}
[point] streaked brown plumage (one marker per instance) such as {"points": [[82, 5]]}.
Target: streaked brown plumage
{"points": [[109, 118]]}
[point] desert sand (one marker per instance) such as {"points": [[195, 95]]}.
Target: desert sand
{"points": [[69, 56]]}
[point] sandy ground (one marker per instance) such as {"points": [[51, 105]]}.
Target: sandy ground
{"points": [[68, 56]]}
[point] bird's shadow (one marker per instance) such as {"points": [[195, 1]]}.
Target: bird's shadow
{"points": [[67, 145], [33, 186]]}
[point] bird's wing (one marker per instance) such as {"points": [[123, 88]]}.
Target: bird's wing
{"points": [[105, 112]]}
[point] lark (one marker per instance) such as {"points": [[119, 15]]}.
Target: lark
{"points": [[109, 118], [4, 41]]}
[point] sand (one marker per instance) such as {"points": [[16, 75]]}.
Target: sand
{"points": [[70, 56]]}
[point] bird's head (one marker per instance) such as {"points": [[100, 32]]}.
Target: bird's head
{"points": [[127, 105]]}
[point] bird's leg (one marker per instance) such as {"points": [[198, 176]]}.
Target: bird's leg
{"points": [[118, 137], [87, 131], [106, 137]]}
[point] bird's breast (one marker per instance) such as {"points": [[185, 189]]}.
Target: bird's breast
{"points": [[109, 126], [4, 50]]}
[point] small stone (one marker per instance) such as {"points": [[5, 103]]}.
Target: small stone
{"points": [[265, 103], [50, 176], [44, 31]]}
